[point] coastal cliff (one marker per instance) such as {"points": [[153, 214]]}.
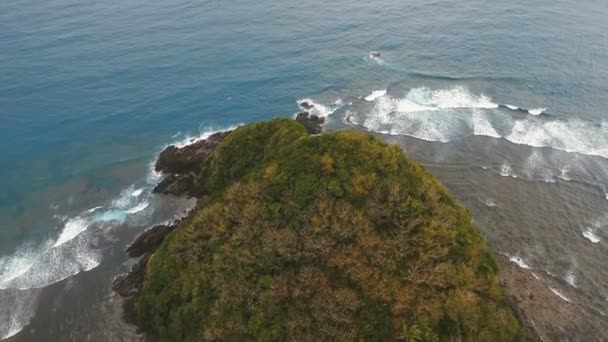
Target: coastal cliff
{"points": [[299, 236]]}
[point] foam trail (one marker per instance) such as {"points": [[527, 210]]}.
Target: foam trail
{"points": [[375, 94], [14, 266], [571, 279], [71, 229], [521, 262], [138, 208], [507, 171], [483, 126], [569, 136], [537, 111], [490, 203], [319, 109], [444, 115], [560, 295], [189, 139], [589, 234]]}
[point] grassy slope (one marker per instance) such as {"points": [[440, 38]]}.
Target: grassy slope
{"points": [[331, 237]]}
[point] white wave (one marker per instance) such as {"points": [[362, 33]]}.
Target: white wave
{"points": [[375, 94], [71, 229], [521, 262], [319, 109], [490, 202], [432, 115], [153, 177], [376, 56], [511, 107], [457, 97], [507, 171], [204, 134], [571, 279], [589, 234], [93, 209], [138, 208], [537, 111], [137, 192], [49, 264], [560, 295], [112, 215], [483, 126], [446, 114], [564, 174], [568, 136], [14, 266]]}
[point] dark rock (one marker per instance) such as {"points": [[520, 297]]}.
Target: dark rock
{"points": [[145, 244], [175, 160], [313, 123], [149, 241], [306, 105], [130, 283], [178, 185], [183, 164], [375, 54]]}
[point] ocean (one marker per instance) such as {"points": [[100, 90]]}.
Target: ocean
{"points": [[506, 102]]}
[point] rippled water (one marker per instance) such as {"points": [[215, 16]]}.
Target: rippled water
{"points": [[505, 102]]}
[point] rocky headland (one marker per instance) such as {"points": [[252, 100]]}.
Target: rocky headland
{"points": [[466, 301]]}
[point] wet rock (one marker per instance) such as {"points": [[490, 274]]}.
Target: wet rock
{"points": [[130, 283], [182, 164], [175, 160], [313, 123], [375, 55], [149, 241], [178, 185], [306, 105]]}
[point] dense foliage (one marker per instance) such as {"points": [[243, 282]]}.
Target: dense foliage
{"points": [[331, 237]]}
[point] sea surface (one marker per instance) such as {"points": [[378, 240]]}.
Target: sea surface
{"points": [[505, 101]]}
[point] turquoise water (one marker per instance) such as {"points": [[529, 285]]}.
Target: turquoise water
{"points": [[91, 91]]}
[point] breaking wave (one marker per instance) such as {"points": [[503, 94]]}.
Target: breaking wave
{"points": [[560, 295], [318, 109], [375, 94], [444, 115], [521, 262], [590, 235]]}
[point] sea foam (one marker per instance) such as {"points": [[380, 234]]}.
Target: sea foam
{"points": [[444, 115], [589, 234], [375, 94]]}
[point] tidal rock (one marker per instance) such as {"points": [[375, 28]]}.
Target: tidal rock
{"points": [[313, 123], [130, 283], [178, 185], [305, 105], [175, 160], [149, 241]]}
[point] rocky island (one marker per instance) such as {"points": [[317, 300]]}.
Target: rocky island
{"points": [[306, 237]]}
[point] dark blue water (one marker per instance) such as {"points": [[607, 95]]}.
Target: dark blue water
{"points": [[91, 91]]}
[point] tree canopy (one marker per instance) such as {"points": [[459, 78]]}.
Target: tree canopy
{"points": [[337, 236]]}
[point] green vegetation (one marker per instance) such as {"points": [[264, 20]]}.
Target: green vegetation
{"points": [[313, 238]]}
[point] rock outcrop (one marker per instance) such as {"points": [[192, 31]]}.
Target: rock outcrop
{"points": [[129, 284], [313, 123], [182, 165]]}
